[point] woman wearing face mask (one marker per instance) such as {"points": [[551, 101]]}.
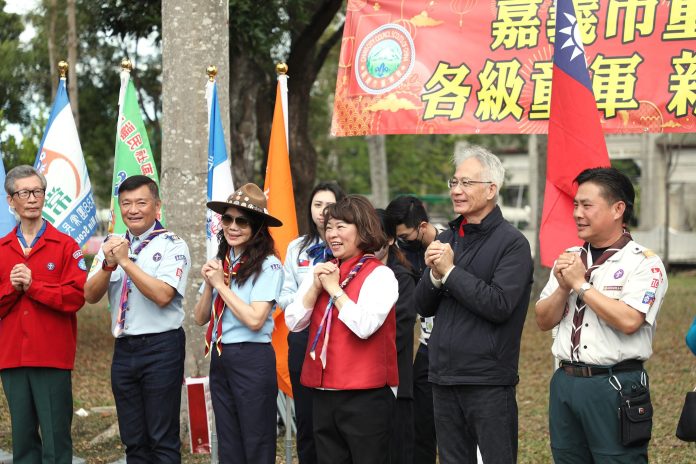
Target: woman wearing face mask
{"points": [[241, 287], [402, 436], [303, 254], [348, 304]]}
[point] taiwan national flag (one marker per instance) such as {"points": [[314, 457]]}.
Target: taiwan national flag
{"points": [[69, 204], [576, 141], [220, 185]]}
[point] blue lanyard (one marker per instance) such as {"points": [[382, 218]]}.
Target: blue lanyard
{"points": [[20, 235]]}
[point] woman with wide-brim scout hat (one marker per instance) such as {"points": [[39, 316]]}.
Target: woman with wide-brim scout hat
{"points": [[241, 287]]}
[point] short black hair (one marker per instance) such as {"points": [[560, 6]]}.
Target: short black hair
{"points": [[407, 210], [615, 186], [135, 182]]}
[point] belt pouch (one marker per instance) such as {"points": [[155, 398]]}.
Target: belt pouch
{"points": [[635, 416]]}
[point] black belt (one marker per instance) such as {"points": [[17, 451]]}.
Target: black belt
{"points": [[589, 370]]}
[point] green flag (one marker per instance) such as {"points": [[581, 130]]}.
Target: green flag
{"points": [[133, 153]]}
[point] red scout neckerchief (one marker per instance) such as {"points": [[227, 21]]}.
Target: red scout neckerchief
{"points": [[326, 318], [580, 305], [219, 306], [123, 304]]}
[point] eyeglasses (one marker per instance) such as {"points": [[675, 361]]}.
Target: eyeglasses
{"points": [[241, 221], [465, 183], [24, 194]]}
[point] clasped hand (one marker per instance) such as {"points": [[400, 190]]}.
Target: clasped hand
{"points": [[115, 250], [20, 277], [212, 273], [326, 276], [569, 271], [439, 257]]}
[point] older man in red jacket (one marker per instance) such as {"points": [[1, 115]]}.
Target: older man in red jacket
{"points": [[42, 276]]}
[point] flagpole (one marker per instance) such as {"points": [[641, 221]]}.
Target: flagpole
{"points": [[282, 72]]}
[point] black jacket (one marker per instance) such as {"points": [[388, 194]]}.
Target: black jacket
{"points": [[481, 307], [405, 320]]}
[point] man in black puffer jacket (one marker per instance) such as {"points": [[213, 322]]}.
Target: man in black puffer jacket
{"points": [[478, 285]]}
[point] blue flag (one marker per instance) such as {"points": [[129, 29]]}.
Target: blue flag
{"points": [[220, 185], [69, 204], [7, 219]]}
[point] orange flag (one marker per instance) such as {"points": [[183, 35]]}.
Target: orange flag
{"points": [[281, 204]]}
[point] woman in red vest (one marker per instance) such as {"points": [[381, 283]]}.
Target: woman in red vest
{"points": [[348, 304]]}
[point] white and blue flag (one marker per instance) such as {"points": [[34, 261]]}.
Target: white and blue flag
{"points": [[220, 185], [7, 218], [69, 203]]}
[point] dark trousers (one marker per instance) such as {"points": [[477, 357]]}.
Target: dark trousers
{"points": [[425, 445], [39, 398], [146, 376], [244, 387], [302, 396], [401, 440], [353, 426], [469, 414], [583, 420]]}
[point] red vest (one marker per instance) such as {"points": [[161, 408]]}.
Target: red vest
{"points": [[351, 362]]}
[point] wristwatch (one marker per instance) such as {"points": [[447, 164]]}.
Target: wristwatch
{"points": [[583, 288], [337, 296], [106, 267]]}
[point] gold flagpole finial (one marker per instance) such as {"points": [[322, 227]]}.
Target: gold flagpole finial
{"points": [[126, 65], [212, 72], [63, 68], [281, 68]]}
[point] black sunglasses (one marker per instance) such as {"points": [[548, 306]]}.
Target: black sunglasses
{"points": [[241, 221]]}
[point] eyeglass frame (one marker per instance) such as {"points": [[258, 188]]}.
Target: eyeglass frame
{"points": [[241, 221], [465, 184], [29, 192]]}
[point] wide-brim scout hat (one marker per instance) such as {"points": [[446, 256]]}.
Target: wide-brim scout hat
{"points": [[249, 197]]}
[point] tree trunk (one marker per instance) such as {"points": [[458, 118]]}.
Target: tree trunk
{"points": [[72, 60], [51, 45], [541, 273], [194, 35], [377, 151]]}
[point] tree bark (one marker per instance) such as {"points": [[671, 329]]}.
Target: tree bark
{"points": [[72, 61], [541, 273], [51, 45], [379, 179], [194, 35]]}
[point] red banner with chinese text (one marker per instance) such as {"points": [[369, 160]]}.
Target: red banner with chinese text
{"points": [[484, 66]]}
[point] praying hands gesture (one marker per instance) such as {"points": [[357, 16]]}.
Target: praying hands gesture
{"points": [[439, 257], [213, 273], [20, 277], [569, 271], [115, 250]]}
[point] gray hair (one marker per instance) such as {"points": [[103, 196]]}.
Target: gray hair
{"points": [[22, 172], [493, 169]]}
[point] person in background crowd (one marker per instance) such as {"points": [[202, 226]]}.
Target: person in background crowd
{"points": [[478, 287], [351, 356], [691, 337], [42, 276], [402, 437], [407, 216], [303, 254], [144, 273], [241, 287], [603, 298]]}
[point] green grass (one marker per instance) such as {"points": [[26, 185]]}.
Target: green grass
{"points": [[672, 373]]}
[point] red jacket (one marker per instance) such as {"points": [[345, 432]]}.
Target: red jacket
{"points": [[39, 328], [352, 363]]}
